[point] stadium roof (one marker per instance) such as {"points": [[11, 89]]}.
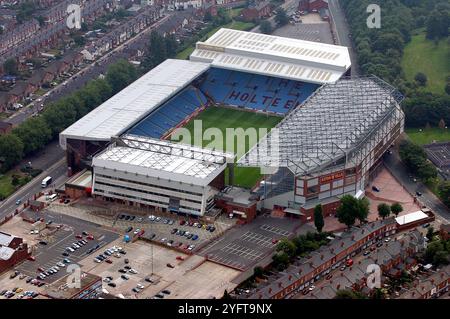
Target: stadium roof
{"points": [[276, 56], [330, 129], [172, 161], [134, 102]]}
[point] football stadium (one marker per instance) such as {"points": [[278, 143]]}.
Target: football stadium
{"points": [[250, 122]]}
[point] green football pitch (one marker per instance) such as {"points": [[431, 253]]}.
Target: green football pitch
{"points": [[215, 127]]}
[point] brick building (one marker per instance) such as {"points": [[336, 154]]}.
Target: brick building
{"points": [[258, 11], [12, 251]]}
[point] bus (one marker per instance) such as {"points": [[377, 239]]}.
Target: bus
{"points": [[46, 181]]}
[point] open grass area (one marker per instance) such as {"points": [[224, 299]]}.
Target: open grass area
{"points": [[213, 134], [422, 55], [7, 186], [427, 136]]}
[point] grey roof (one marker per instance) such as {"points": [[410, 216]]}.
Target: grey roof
{"points": [[6, 239], [330, 129]]}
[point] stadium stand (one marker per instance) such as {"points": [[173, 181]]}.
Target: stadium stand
{"points": [[256, 92], [171, 113]]}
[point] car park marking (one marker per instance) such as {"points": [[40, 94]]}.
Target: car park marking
{"points": [[275, 230], [257, 239]]}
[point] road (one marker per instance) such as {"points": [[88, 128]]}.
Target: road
{"points": [[398, 169], [51, 158], [86, 74], [342, 32]]}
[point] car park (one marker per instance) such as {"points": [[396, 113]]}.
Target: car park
{"points": [[124, 277]]}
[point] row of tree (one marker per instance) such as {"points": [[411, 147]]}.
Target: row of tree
{"points": [[415, 159], [299, 246], [36, 132]]}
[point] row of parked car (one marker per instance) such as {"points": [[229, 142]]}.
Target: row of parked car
{"points": [[115, 251], [181, 232], [53, 270], [29, 294]]}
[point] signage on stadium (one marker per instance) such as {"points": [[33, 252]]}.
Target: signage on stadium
{"points": [[331, 177]]}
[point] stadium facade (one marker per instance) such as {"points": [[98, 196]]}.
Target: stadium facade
{"points": [[333, 132]]}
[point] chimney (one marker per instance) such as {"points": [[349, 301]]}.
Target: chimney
{"points": [[373, 225], [290, 277], [300, 271], [362, 231], [260, 296], [442, 275], [332, 250], [402, 242], [270, 290], [342, 244], [360, 262], [353, 237], [280, 285], [413, 293], [338, 286], [321, 288], [432, 280], [321, 257]]}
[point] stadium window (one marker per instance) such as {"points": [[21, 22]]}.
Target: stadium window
{"points": [[313, 189]]}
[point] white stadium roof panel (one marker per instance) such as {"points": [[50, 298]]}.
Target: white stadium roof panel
{"points": [[172, 161], [134, 102], [277, 56]]}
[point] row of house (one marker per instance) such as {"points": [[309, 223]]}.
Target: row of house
{"points": [[302, 273], [12, 251], [257, 11], [23, 89], [142, 20], [393, 257], [431, 287], [27, 39]]}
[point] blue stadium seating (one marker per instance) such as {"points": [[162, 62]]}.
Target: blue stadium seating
{"points": [[258, 92], [170, 114]]}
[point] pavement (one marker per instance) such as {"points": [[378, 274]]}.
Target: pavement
{"points": [[400, 172], [245, 245], [340, 24]]}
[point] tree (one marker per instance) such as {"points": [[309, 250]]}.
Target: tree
{"points": [[157, 51], [120, 74], [441, 124], [287, 246], [318, 218], [396, 209], [363, 209], [10, 66], [34, 134], [447, 88], [421, 79], [15, 180], [348, 294], [347, 210], [441, 258], [430, 233], [384, 210], [437, 24], [79, 40], [281, 17], [444, 192], [265, 27], [280, 260], [258, 272], [11, 150]]}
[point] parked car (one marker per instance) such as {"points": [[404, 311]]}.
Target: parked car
{"points": [[129, 229], [124, 277], [170, 265], [111, 284]]}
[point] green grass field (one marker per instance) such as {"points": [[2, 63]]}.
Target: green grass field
{"points": [[223, 118], [422, 55], [428, 135]]}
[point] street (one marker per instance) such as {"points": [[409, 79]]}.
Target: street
{"points": [[396, 167], [342, 32]]}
